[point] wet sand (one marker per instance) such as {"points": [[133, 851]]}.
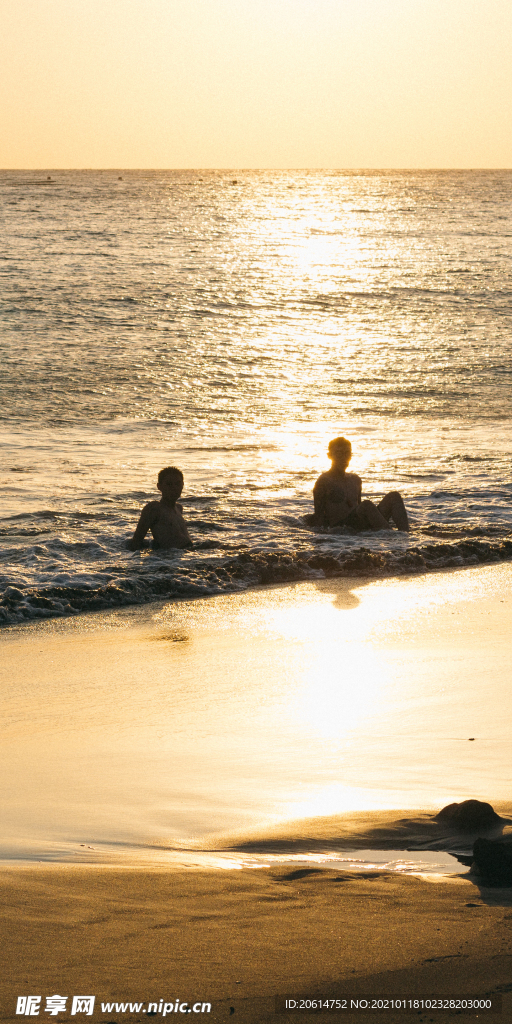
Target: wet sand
{"points": [[239, 938], [141, 730]]}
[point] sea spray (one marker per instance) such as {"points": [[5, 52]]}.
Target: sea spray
{"points": [[154, 578]]}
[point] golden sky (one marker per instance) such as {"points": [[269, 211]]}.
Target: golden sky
{"points": [[255, 83]]}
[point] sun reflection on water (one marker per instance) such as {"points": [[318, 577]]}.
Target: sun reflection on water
{"points": [[297, 449]]}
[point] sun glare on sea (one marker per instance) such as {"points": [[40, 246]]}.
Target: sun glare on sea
{"points": [[302, 448], [321, 252]]}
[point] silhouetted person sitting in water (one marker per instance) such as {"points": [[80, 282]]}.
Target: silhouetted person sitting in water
{"points": [[338, 502], [165, 517]]}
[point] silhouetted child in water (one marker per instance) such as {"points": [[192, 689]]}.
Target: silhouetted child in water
{"points": [[337, 496], [165, 517]]}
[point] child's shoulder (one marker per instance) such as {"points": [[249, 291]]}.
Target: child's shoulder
{"points": [[328, 480], [151, 507], [323, 479]]}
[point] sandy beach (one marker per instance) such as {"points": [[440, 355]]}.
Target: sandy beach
{"points": [[119, 802]]}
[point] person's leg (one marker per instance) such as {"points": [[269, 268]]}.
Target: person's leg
{"points": [[373, 516], [392, 507], [356, 520]]}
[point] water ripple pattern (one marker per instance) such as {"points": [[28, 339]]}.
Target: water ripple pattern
{"points": [[230, 323]]}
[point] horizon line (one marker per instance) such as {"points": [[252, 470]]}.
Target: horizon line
{"points": [[240, 170]]}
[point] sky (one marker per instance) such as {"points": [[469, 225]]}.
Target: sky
{"points": [[255, 83]]}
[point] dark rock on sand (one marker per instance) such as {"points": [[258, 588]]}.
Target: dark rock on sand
{"points": [[492, 862], [469, 816]]}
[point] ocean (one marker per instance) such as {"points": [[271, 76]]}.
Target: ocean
{"points": [[231, 323]]}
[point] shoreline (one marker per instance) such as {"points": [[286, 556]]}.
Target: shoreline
{"points": [[259, 571], [141, 614]]}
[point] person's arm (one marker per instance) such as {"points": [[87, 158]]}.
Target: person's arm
{"points": [[359, 488], [319, 498], [146, 519]]}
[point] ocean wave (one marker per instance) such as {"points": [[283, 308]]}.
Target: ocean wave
{"points": [[157, 576]]}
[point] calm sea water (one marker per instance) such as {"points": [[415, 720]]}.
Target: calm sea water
{"points": [[231, 323]]}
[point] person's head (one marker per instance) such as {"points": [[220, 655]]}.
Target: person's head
{"points": [[170, 483], [340, 451]]}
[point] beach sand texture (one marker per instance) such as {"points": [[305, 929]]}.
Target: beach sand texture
{"points": [[152, 743], [238, 939]]}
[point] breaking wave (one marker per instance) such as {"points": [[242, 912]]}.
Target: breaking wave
{"points": [[156, 576]]}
